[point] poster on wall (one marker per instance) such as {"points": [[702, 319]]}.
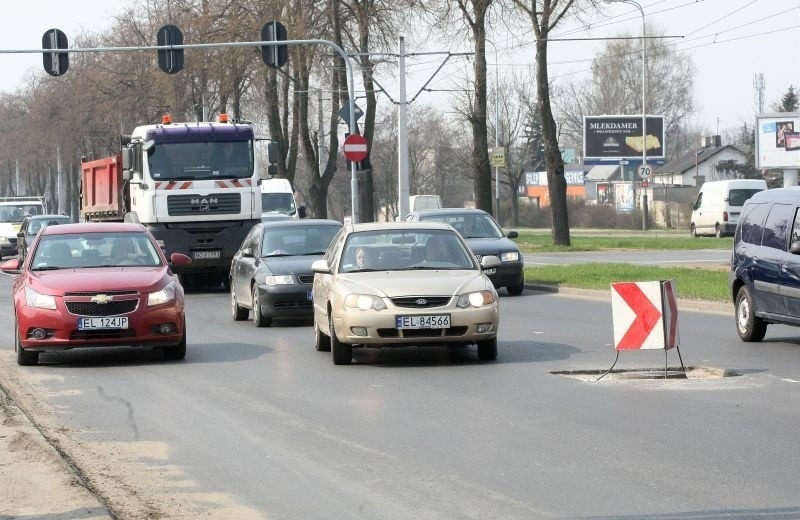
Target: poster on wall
{"points": [[624, 197], [604, 194], [614, 138], [778, 140]]}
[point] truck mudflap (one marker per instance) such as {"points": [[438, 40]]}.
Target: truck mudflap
{"points": [[211, 245]]}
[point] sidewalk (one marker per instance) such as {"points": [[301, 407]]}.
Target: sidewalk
{"points": [[35, 482]]}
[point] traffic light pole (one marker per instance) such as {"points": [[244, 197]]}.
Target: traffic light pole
{"points": [[336, 48]]}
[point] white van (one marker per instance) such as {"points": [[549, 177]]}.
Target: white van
{"points": [[716, 210], [420, 202], [277, 198]]}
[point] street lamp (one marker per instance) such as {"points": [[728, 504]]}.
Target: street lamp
{"points": [[496, 129], [644, 99]]}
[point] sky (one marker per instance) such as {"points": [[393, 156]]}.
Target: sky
{"points": [[729, 41]]}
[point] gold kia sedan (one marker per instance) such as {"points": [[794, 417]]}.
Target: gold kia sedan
{"points": [[403, 283]]}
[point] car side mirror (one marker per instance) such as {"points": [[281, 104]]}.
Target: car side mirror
{"points": [[795, 248], [512, 234], [301, 212], [489, 261], [179, 259], [11, 266], [247, 252], [321, 266], [20, 235]]}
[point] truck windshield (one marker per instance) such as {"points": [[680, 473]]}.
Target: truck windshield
{"points": [[201, 160], [281, 202]]}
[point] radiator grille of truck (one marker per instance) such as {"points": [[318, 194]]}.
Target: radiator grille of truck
{"points": [[213, 204]]}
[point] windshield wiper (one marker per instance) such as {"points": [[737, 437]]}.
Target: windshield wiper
{"points": [[49, 268], [314, 253]]}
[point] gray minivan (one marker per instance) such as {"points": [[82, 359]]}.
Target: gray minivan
{"points": [[765, 264]]}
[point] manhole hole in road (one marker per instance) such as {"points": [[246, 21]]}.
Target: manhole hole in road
{"points": [[693, 373]]}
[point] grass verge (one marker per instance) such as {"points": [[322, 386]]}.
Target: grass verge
{"points": [[540, 243], [695, 284]]}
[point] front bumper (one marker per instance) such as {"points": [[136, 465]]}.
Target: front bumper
{"points": [[285, 300], [381, 327], [62, 331], [507, 273]]}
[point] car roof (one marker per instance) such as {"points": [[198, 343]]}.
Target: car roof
{"points": [[300, 223], [94, 227], [399, 226], [791, 194], [450, 211]]}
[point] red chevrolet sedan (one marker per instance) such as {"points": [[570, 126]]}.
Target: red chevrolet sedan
{"points": [[96, 285]]}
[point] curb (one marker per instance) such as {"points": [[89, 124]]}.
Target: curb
{"points": [[683, 303]]}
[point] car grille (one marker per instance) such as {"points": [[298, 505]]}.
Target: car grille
{"points": [[102, 334], [421, 302], [306, 278], [113, 308], [215, 203], [292, 305], [423, 333], [109, 293]]}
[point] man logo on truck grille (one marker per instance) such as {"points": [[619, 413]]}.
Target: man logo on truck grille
{"points": [[204, 204]]}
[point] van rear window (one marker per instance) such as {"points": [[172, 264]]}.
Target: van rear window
{"points": [[750, 225], [739, 196]]}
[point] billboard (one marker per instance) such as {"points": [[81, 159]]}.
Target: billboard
{"points": [[614, 138], [778, 140]]}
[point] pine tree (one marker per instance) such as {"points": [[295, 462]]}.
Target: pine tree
{"points": [[789, 101]]}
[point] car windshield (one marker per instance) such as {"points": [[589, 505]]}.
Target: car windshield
{"points": [[297, 240], [17, 212], [89, 250], [282, 202], [38, 224], [470, 226], [396, 250]]}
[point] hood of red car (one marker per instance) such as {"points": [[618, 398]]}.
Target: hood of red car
{"points": [[98, 279]]}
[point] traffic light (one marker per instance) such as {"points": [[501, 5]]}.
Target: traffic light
{"points": [[55, 63], [274, 56]]}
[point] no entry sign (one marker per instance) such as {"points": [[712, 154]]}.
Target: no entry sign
{"points": [[355, 148]]}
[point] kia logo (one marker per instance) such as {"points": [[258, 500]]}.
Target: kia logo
{"points": [[421, 301]]}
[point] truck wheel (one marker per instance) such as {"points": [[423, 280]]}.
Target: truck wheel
{"points": [[237, 313], [342, 352], [259, 320], [750, 327], [24, 357]]}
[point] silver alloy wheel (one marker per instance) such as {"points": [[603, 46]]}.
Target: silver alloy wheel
{"points": [[743, 315]]}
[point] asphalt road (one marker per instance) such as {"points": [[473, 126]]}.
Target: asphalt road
{"points": [[256, 424]]}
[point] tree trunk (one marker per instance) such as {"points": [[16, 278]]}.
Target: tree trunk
{"points": [[556, 183], [480, 152]]}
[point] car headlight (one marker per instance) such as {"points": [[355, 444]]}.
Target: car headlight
{"points": [[285, 279], [167, 294], [364, 302], [37, 299], [476, 299], [511, 256]]}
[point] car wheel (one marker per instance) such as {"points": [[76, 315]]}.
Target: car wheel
{"points": [[693, 231], [24, 357], [342, 352], [237, 313], [750, 327], [717, 231], [259, 320], [487, 349], [322, 342], [177, 352], [516, 290]]}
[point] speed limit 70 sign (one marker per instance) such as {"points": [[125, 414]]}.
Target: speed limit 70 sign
{"points": [[645, 171]]}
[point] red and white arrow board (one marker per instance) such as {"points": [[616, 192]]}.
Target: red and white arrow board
{"points": [[639, 315]]}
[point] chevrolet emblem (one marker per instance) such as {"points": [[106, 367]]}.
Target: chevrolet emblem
{"points": [[102, 298]]}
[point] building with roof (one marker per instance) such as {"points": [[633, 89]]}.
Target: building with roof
{"points": [[702, 165]]}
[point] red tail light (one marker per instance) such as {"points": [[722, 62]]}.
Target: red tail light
{"points": [[724, 216]]}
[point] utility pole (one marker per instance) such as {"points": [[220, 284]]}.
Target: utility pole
{"points": [[402, 137], [758, 85]]}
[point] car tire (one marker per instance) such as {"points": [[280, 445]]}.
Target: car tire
{"points": [[693, 231], [259, 320], [717, 231], [487, 349], [342, 353], [322, 342], [178, 352], [750, 327], [237, 313], [25, 358], [516, 289]]}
